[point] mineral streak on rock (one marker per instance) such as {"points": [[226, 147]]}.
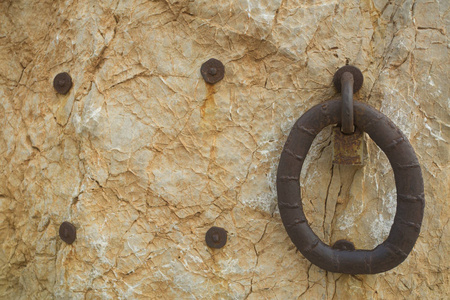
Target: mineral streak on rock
{"points": [[143, 156]]}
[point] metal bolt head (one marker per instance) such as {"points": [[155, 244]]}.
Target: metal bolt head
{"points": [[67, 232], [343, 245], [62, 83], [212, 71], [357, 77], [216, 237]]}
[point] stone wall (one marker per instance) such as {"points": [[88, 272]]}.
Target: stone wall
{"points": [[143, 156]]}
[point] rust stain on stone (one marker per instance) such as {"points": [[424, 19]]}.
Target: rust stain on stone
{"points": [[208, 107]]}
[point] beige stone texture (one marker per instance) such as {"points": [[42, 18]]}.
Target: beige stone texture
{"points": [[143, 156]]}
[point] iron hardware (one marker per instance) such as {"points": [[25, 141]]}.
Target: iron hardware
{"points": [[216, 237], [62, 83], [343, 258], [212, 71], [67, 232]]}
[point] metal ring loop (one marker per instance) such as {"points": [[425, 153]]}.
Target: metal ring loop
{"points": [[408, 180]]}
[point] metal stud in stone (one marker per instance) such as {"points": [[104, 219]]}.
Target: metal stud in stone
{"points": [[62, 83], [67, 232], [216, 237], [213, 71]]}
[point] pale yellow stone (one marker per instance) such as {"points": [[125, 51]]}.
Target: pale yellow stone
{"points": [[143, 156]]}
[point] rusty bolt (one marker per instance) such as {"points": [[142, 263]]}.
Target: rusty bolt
{"points": [[212, 71], [67, 232], [62, 83], [216, 237]]}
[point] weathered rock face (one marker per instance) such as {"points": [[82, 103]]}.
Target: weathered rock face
{"points": [[143, 156]]}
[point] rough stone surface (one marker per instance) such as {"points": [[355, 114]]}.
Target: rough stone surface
{"points": [[143, 157]]}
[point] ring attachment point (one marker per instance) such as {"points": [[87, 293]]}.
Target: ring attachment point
{"points": [[357, 77]]}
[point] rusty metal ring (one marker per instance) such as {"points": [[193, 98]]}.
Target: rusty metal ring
{"points": [[408, 180]]}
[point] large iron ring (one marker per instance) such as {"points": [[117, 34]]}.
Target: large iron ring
{"points": [[408, 180]]}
